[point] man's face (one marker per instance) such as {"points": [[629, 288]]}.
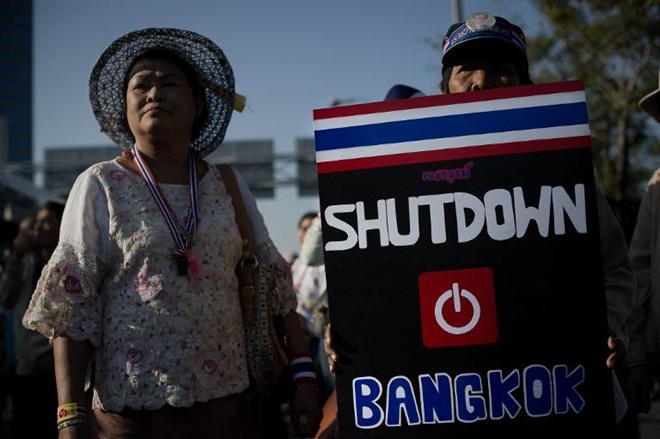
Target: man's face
{"points": [[482, 72]]}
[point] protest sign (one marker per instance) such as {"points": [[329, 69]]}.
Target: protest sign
{"points": [[463, 264]]}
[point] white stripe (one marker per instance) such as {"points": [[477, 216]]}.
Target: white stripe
{"points": [[301, 360], [304, 375], [449, 110], [452, 142]]}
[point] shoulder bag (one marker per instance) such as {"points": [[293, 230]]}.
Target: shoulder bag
{"points": [[264, 328]]}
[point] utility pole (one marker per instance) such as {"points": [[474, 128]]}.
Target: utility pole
{"points": [[457, 13]]}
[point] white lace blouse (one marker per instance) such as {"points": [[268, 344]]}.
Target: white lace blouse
{"points": [[159, 338]]}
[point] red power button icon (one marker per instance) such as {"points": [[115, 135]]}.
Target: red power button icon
{"points": [[457, 307]]}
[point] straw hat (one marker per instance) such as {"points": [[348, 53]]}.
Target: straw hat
{"points": [[107, 83]]}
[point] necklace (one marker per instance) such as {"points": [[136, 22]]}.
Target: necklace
{"points": [[184, 237]]}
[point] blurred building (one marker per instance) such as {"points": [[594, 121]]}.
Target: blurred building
{"points": [[63, 165], [16, 80], [306, 158], [18, 196], [256, 160]]}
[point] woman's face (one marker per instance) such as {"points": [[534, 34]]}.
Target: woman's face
{"points": [[160, 100], [482, 73]]}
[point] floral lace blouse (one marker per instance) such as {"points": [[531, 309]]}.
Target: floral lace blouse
{"points": [[159, 338]]}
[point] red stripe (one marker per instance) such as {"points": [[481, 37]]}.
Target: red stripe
{"points": [[454, 153], [458, 98]]}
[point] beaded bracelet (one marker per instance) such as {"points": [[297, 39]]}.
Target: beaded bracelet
{"points": [[70, 422], [300, 386]]}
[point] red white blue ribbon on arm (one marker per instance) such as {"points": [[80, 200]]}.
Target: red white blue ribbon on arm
{"points": [[184, 238]]}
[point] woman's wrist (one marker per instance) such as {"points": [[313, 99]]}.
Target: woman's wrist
{"points": [[69, 414], [302, 371]]}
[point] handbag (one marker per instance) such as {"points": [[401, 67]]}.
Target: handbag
{"points": [[264, 329]]}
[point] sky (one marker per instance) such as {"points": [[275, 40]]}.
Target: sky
{"points": [[289, 57]]}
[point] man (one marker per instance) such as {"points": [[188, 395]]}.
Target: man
{"points": [[644, 360], [486, 52], [34, 395]]}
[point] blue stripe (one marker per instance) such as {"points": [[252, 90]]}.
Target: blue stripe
{"points": [[452, 126]]}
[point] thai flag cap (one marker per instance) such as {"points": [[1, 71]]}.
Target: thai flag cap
{"points": [[485, 33]]}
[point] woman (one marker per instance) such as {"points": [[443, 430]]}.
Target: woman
{"points": [[143, 282]]}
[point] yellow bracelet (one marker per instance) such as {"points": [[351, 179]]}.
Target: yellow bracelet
{"points": [[70, 410]]}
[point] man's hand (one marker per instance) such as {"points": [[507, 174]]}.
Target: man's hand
{"points": [[616, 352]]}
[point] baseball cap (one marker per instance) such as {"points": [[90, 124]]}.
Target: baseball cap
{"points": [[483, 32]]}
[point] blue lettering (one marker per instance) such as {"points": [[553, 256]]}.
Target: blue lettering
{"points": [[533, 392], [538, 390], [400, 396], [436, 398], [501, 398], [566, 394], [368, 414], [470, 405]]}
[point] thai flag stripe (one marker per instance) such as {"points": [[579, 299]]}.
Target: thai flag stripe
{"points": [[452, 154], [447, 110], [451, 143], [451, 126], [548, 118], [451, 99]]}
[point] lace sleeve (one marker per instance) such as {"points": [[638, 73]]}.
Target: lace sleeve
{"points": [[66, 299], [266, 250]]}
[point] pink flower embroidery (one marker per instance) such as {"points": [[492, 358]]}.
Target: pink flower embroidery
{"points": [[72, 284], [117, 175], [148, 287], [209, 366], [134, 356]]}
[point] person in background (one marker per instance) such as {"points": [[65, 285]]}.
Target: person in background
{"points": [[24, 227], [308, 281], [34, 368], [142, 285], [310, 284], [643, 365]]}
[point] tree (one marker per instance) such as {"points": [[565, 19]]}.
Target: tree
{"points": [[613, 47]]}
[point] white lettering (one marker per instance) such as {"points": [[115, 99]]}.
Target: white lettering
{"points": [[379, 223], [503, 213], [396, 238]]}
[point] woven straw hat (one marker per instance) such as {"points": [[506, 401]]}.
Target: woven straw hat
{"points": [[107, 83]]}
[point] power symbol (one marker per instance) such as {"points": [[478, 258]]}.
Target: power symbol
{"points": [[456, 296]]}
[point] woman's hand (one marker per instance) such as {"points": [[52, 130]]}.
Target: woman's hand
{"points": [[306, 412]]}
